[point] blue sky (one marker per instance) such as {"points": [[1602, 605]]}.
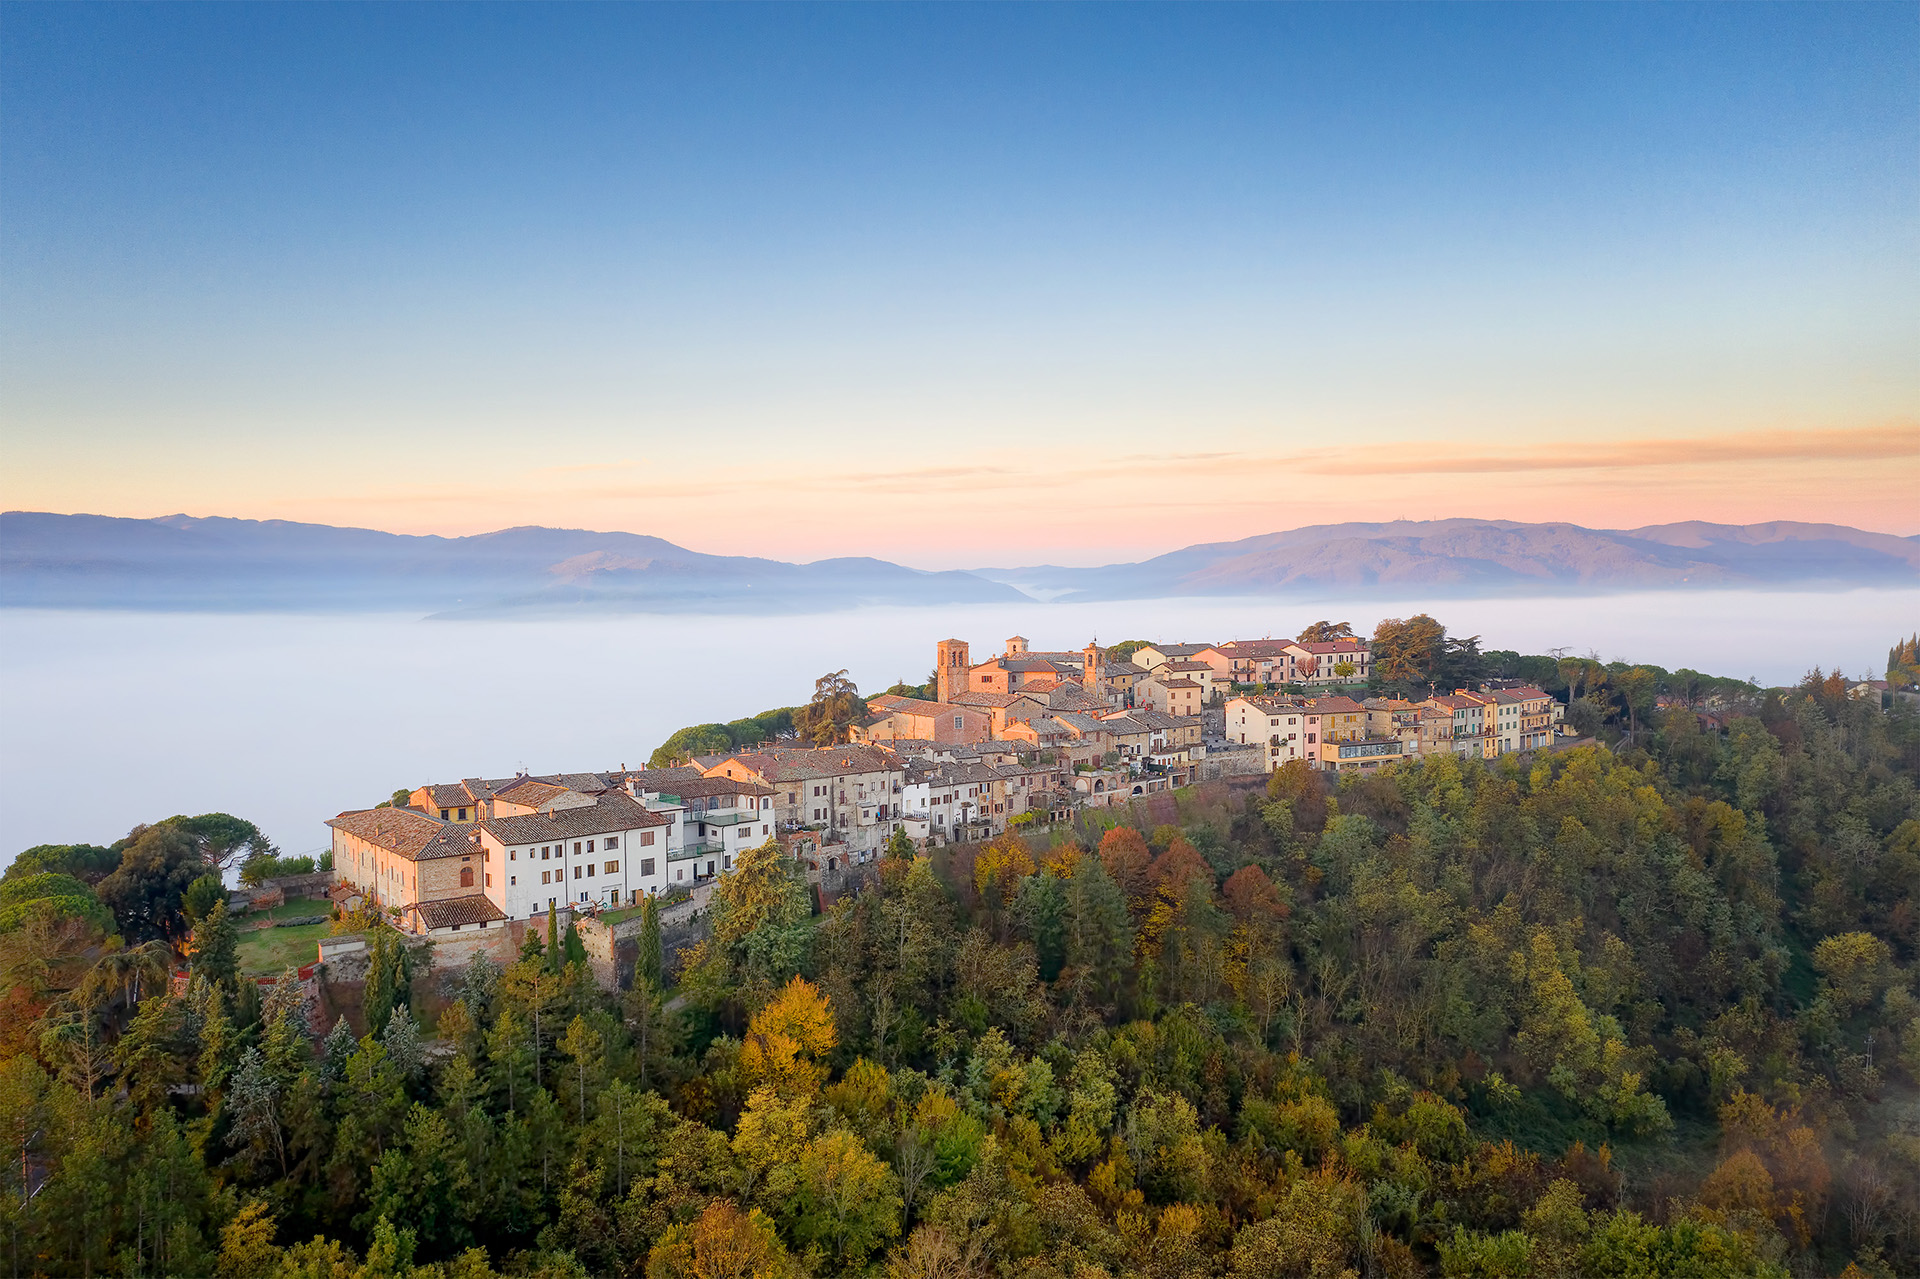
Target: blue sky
{"points": [[951, 283]]}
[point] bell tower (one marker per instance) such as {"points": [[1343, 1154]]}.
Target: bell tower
{"points": [[951, 668], [1090, 668]]}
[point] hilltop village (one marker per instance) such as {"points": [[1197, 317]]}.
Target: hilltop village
{"points": [[1022, 738]]}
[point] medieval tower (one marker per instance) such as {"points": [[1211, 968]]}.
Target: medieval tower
{"points": [[950, 666]]}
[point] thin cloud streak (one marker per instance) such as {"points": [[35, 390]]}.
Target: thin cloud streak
{"points": [[1757, 446]]}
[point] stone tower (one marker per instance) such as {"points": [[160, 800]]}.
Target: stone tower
{"points": [[950, 667], [1090, 669]]}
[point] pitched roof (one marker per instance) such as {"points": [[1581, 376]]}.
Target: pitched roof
{"points": [[701, 787], [1174, 651], [448, 795], [1080, 721], [655, 779], [1253, 648], [446, 912], [956, 772], [979, 697], [889, 702], [1269, 705], [1176, 683], [531, 793], [608, 814], [1074, 697], [1334, 706], [584, 782], [1331, 646], [1036, 665], [1186, 666], [800, 763], [404, 832], [1125, 723], [1154, 718], [483, 788]]}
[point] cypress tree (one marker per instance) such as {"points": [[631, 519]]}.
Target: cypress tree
{"points": [[652, 960]]}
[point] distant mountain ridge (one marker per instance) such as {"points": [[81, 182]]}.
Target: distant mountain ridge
{"points": [[181, 562], [1463, 556], [220, 564]]}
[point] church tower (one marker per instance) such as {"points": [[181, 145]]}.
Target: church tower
{"points": [[1090, 659], [951, 669]]}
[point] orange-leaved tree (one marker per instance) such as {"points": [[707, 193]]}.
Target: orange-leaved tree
{"points": [[721, 1243]]}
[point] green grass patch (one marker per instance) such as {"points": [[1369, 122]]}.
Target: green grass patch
{"points": [[265, 951], [621, 916], [292, 908]]}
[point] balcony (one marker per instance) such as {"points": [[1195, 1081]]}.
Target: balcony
{"points": [[727, 816]]}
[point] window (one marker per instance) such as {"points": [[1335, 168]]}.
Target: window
{"points": [[646, 839], [646, 865], [466, 877], [512, 880], [545, 875], [959, 722], [513, 854], [578, 869], [613, 841], [583, 895], [445, 814], [489, 881], [589, 846], [611, 868], [576, 848], [544, 852], [463, 814]]}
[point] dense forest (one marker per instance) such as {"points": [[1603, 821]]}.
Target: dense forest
{"points": [[1646, 1007]]}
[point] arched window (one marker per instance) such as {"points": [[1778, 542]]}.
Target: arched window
{"points": [[466, 877]]}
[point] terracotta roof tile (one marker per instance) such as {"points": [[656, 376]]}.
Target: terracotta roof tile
{"points": [[446, 912], [401, 831], [608, 814]]}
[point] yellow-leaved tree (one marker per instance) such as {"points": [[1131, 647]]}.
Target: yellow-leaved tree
{"points": [[786, 1039]]}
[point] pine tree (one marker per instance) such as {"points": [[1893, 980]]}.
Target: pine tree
{"points": [[337, 1049], [478, 982], [253, 1106], [219, 1040], [401, 1039]]}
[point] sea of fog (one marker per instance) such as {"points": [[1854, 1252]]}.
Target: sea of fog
{"points": [[111, 719]]}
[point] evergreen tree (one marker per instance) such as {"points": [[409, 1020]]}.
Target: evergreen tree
{"points": [[650, 965], [401, 1039], [335, 1051], [216, 948], [253, 1112]]}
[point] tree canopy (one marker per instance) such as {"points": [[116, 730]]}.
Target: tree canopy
{"points": [[1648, 1006]]}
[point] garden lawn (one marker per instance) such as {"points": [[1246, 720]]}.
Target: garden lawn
{"points": [[266, 951]]}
